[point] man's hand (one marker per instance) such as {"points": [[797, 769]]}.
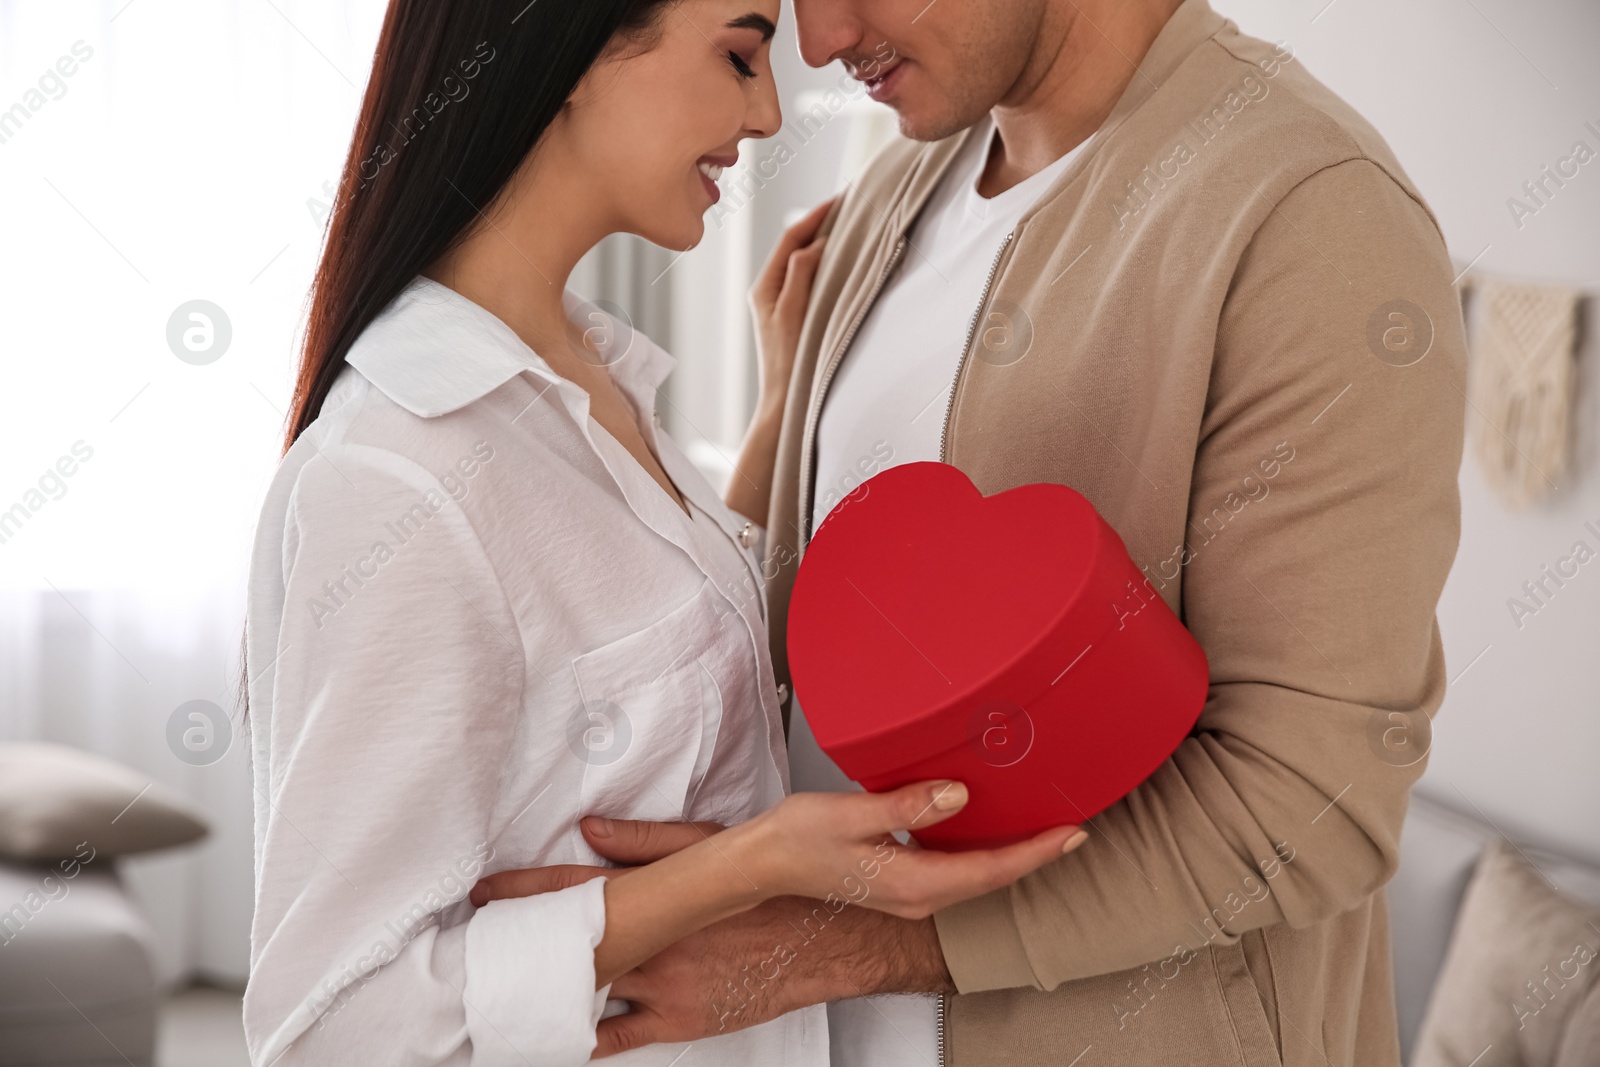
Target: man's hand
{"points": [[642, 842], [788, 953], [785, 954]]}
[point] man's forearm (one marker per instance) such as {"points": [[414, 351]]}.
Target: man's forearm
{"points": [[782, 955], [879, 953]]}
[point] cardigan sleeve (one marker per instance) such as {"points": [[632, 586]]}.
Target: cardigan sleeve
{"points": [[1317, 614], [397, 687]]}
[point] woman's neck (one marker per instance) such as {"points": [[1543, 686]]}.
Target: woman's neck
{"points": [[516, 261]]}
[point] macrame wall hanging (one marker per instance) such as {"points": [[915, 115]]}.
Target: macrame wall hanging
{"points": [[1521, 380]]}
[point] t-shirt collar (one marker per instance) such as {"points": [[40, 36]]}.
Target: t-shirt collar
{"points": [[1023, 193]]}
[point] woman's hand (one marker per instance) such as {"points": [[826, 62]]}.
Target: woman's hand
{"points": [[778, 303], [817, 844]]}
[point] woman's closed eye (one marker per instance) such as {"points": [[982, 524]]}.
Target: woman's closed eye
{"points": [[762, 29]]}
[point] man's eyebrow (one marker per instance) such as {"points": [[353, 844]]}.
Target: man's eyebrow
{"points": [[754, 21]]}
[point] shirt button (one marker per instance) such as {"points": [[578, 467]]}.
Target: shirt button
{"points": [[747, 535], [783, 692]]}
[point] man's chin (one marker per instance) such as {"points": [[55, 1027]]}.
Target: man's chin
{"points": [[924, 113], [925, 125]]}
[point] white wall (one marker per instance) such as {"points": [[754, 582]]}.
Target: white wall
{"points": [[1475, 96]]}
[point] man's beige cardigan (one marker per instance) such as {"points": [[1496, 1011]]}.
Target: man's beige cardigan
{"points": [[1231, 325]]}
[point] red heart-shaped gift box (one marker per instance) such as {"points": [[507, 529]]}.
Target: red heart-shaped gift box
{"points": [[1008, 642]]}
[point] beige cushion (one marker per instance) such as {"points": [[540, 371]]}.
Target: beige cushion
{"points": [[54, 799], [1514, 929]]}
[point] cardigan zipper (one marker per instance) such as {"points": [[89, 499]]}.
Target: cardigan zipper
{"points": [[939, 1030], [809, 440], [972, 332]]}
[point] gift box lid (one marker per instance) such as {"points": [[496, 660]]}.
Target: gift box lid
{"points": [[920, 599]]}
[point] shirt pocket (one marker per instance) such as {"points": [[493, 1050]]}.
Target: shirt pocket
{"points": [[649, 715]]}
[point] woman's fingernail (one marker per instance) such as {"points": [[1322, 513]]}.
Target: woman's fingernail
{"points": [[597, 826], [950, 796], [1075, 840]]}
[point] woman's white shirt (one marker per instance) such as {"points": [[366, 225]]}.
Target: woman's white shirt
{"points": [[474, 618]]}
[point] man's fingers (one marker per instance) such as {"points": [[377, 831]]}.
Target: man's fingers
{"points": [[525, 883], [634, 986], [631, 841], [622, 1033]]}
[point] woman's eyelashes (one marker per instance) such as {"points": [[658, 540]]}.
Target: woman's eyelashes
{"points": [[741, 65]]}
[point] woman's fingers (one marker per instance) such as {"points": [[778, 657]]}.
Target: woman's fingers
{"points": [[911, 807], [811, 221], [933, 880], [921, 881], [778, 303], [811, 840], [797, 279], [986, 869], [804, 229], [798, 236], [869, 817], [526, 883]]}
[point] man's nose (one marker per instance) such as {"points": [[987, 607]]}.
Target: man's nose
{"points": [[826, 28]]}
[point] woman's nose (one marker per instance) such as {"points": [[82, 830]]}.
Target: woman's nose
{"points": [[765, 117]]}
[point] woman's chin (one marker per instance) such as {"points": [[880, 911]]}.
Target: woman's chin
{"points": [[679, 236]]}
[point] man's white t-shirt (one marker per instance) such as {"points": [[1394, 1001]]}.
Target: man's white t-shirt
{"points": [[886, 406]]}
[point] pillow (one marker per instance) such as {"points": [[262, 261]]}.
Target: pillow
{"points": [[1522, 960], [54, 799]]}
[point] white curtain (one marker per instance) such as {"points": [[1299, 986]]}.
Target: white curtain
{"points": [[154, 153]]}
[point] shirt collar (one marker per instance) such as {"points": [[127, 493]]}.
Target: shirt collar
{"points": [[433, 351]]}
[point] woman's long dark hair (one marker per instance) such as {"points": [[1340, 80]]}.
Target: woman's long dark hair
{"points": [[460, 92]]}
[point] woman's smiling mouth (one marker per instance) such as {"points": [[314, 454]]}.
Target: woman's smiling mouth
{"points": [[711, 168]]}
